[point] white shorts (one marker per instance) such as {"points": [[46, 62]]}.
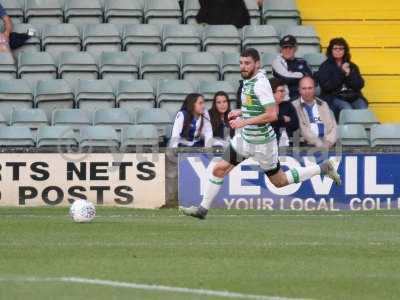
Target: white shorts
{"points": [[266, 155]]}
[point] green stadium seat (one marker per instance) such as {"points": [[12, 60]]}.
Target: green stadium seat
{"points": [[14, 9], [16, 136], [115, 117], [181, 38], [266, 61], [208, 90], [230, 69], [385, 135], [172, 93], [115, 66], [307, 38], [254, 12], [353, 135], [161, 65], [57, 38], [83, 11], [98, 136], [98, 38], [76, 65], [94, 94], [14, 94], [32, 118], [31, 45], [221, 38], [3, 120], [138, 38], [280, 13], [36, 66], [190, 10], [364, 117], [8, 69], [74, 118], [196, 66], [56, 136], [53, 94], [155, 116], [134, 94], [162, 12], [140, 135], [314, 60], [123, 11], [43, 12], [264, 38]]}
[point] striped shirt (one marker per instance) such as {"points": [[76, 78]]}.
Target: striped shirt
{"points": [[256, 97]]}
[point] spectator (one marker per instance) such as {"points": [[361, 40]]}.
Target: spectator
{"points": [[220, 12], [288, 68], [340, 79], [9, 39], [287, 122], [317, 123], [219, 119], [191, 127]]}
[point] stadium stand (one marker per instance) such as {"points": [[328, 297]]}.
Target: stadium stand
{"points": [[148, 55], [209, 88], [98, 136], [372, 32], [353, 135], [31, 118], [139, 135], [385, 135], [16, 136]]}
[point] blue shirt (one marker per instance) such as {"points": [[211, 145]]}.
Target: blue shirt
{"points": [[3, 12]]}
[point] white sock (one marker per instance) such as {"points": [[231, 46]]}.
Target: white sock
{"points": [[213, 186], [297, 175]]}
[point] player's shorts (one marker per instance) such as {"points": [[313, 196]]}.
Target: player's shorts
{"points": [[266, 155]]}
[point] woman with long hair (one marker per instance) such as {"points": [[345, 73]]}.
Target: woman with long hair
{"points": [[192, 127], [340, 79], [219, 119]]}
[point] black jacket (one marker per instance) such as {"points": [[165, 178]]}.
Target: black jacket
{"points": [[280, 68], [331, 79], [286, 109], [220, 12]]}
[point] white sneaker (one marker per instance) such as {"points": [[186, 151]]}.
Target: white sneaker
{"points": [[330, 171]]}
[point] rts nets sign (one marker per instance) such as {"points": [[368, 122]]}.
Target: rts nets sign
{"points": [[131, 180]]}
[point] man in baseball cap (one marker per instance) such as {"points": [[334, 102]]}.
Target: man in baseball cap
{"points": [[288, 68]]}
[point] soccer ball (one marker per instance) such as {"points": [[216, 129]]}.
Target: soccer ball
{"points": [[82, 211]]}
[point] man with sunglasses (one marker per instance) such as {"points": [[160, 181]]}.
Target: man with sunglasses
{"points": [[289, 68]]}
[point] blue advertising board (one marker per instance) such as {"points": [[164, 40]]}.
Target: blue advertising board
{"points": [[369, 182]]}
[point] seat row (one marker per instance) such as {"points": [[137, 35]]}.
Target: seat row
{"points": [[175, 38], [380, 135], [137, 11], [91, 95], [86, 137]]}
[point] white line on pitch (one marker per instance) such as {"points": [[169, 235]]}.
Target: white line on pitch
{"points": [[148, 287]]}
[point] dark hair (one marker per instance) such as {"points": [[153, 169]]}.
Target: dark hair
{"points": [[251, 52], [275, 83], [188, 111], [339, 42], [215, 116]]}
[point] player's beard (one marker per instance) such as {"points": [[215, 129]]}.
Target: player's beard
{"points": [[247, 75]]}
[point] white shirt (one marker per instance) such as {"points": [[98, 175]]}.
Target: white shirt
{"points": [[315, 117], [206, 133]]}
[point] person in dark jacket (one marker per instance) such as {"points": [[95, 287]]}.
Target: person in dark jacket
{"points": [[218, 113], [287, 122], [222, 12], [340, 79], [289, 68]]}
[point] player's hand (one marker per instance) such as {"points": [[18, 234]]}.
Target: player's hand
{"points": [[234, 114], [237, 123]]}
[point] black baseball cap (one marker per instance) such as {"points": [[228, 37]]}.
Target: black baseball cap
{"points": [[288, 41]]}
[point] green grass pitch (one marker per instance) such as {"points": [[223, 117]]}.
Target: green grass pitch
{"points": [[343, 255]]}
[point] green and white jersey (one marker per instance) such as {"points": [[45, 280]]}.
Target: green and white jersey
{"points": [[256, 96]]}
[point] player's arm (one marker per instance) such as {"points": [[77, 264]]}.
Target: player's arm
{"points": [[270, 115]]}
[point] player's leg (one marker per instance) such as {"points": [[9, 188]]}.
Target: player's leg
{"points": [[214, 184], [267, 156], [280, 179]]}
